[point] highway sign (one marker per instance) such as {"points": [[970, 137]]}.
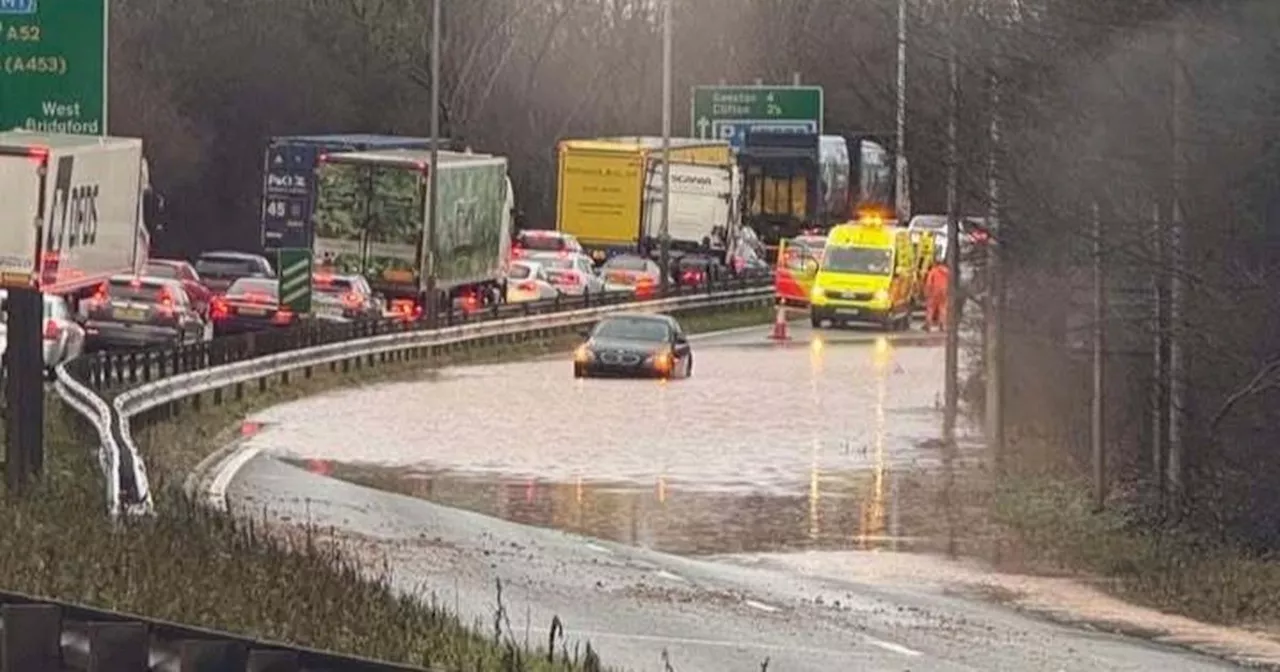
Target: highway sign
{"points": [[728, 112], [53, 66], [295, 279]]}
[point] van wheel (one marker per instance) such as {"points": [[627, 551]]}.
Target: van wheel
{"points": [[815, 321]]}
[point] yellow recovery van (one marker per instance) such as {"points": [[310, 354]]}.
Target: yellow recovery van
{"points": [[869, 274], [602, 183]]}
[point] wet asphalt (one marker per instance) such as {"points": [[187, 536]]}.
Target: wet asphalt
{"points": [[613, 492]]}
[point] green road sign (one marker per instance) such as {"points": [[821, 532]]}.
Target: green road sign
{"points": [[295, 279], [728, 112], [53, 66]]}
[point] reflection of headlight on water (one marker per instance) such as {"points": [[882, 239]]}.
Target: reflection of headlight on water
{"points": [[882, 348], [816, 345]]}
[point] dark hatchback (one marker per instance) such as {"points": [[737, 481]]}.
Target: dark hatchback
{"points": [[219, 270], [250, 304], [635, 345]]}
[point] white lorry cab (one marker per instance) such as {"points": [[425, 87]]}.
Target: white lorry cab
{"points": [[71, 210]]}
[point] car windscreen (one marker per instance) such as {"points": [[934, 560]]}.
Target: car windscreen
{"points": [[858, 260], [224, 267], [634, 329], [627, 264], [934, 222], [251, 286], [543, 242], [162, 271], [520, 272], [140, 292], [556, 262]]}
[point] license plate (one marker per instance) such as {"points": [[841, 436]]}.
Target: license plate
{"points": [[621, 278], [256, 312], [849, 311], [129, 314]]}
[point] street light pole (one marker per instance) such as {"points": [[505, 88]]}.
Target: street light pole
{"points": [[665, 241], [433, 177], [900, 161]]}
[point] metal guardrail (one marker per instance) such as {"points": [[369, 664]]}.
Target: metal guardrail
{"points": [[41, 634], [111, 388]]}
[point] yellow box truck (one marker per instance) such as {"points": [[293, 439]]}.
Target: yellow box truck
{"points": [[601, 197]]}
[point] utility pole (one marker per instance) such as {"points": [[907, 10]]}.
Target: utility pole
{"points": [[900, 160], [1098, 429], [433, 177], [1159, 370], [664, 256], [952, 389], [1177, 389], [994, 322]]}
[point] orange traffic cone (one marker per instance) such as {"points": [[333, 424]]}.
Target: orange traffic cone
{"points": [[779, 332]]}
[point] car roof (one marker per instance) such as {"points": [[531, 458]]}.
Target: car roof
{"points": [[652, 317], [168, 262], [149, 279], [232, 254]]}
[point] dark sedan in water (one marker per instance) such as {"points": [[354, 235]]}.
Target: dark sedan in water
{"points": [[251, 304], [635, 345]]}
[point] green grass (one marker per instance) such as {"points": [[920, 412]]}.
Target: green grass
{"points": [[1051, 520]]}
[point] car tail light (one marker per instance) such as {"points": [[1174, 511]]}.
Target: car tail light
{"points": [[51, 330], [352, 300], [692, 276], [283, 316], [572, 278], [527, 286], [218, 308]]}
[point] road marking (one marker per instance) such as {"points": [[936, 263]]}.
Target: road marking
{"points": [[599, 549], [730, 644], [674, 577], [226, 472], [891, 647], [761, 606]]}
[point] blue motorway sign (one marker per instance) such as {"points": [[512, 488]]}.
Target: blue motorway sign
{"points": [[287, 195], [17, 7]]}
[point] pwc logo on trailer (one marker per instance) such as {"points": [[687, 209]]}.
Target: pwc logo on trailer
{"points": [[73, 218]]}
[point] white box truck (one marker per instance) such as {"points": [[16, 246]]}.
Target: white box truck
{"points": [[71, 210], [703, 208]]}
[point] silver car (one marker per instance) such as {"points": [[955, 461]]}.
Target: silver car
{"points": [[571, 273], [63, 337]]}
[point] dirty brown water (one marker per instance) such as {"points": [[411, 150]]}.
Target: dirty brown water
{"points": [[827, 442]]}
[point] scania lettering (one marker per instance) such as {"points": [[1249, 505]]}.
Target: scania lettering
{"points": [[73, 213]]}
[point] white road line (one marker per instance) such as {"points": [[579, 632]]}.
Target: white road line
{"points": [[730, 644], [891, 647], [599, 549], [761, 606], [217, 492], [668, 575]]}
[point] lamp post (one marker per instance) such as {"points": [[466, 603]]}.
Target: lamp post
{"points": [[664, 249], [432, 308]]}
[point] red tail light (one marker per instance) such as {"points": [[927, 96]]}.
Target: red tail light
{"points": [[218, 308], [692, 276], [51, 330], [100, 294], [572, 278], [352, 300], [527, 286], [283, 316]]}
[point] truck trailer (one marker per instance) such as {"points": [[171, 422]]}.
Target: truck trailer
{"points": [[371, 219], [72, 210], [604, 191], [288, 179]]}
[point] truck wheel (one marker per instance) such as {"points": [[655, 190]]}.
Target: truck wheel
{"points": [[815, 321]]}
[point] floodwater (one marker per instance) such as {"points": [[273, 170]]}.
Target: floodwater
{"points": [[827, 442]]}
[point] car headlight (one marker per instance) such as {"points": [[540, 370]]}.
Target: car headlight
{"points": [[817, 293], [661, 360], [583, 354], [882, 295]]}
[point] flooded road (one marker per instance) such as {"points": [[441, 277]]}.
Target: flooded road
{"points": [[767, 447]]}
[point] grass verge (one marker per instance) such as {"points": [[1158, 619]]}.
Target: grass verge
{"points": [[1050, 518]]}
